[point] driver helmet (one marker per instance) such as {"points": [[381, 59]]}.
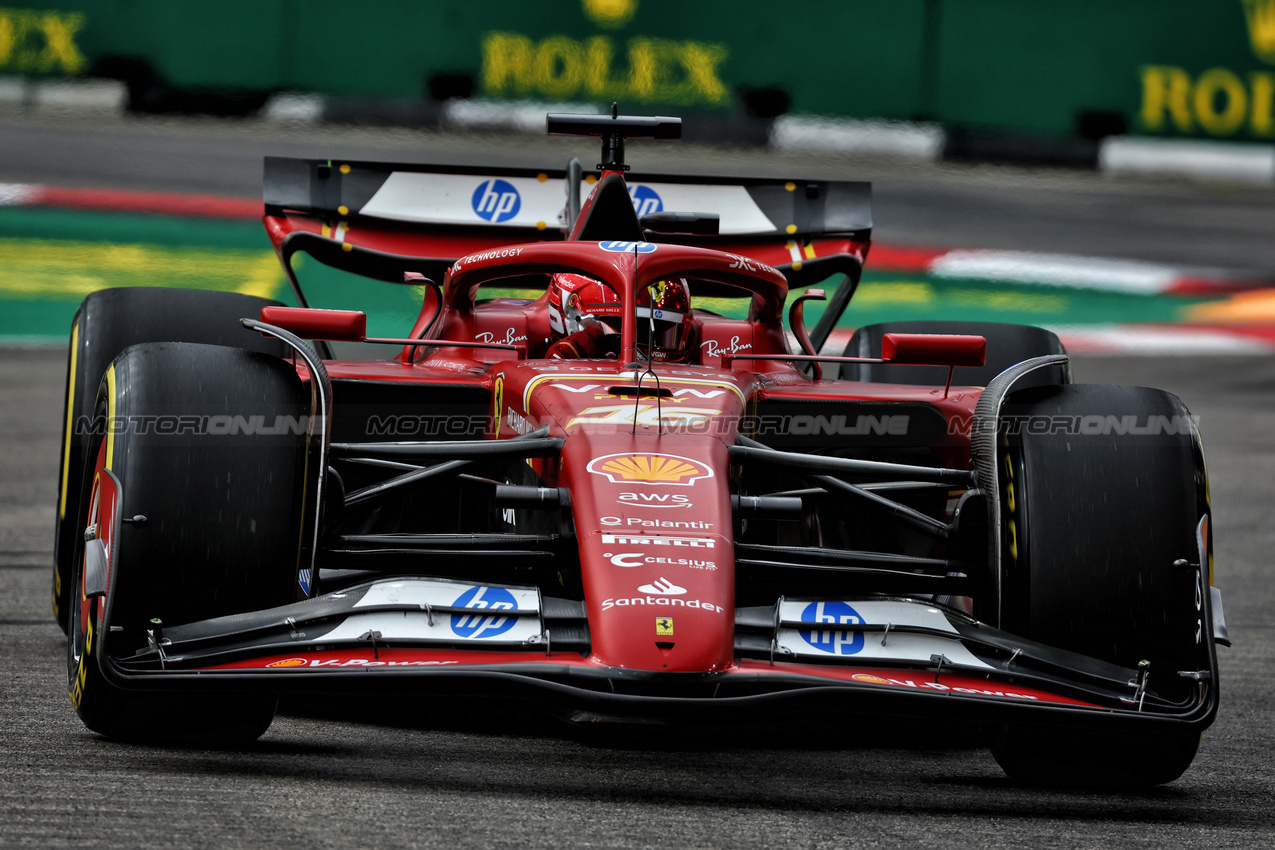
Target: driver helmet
{"points": [[576, 302], [664, 320]]}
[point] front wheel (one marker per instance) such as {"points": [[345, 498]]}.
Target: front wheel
{"points": [[1102, 489], [208, 444], [106, 323]]}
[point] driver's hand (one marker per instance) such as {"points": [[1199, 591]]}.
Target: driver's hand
{"points": [[583, 344]]}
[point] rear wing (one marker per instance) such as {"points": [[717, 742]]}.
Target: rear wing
{"points": [[502, 201], [381, 219]]}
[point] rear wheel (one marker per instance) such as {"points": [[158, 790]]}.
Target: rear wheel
{"points": [[1006, 345], [1102, 488], [208, 444], [105, 324]]}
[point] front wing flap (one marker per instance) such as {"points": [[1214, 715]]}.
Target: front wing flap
{"points": [[452, 638]]}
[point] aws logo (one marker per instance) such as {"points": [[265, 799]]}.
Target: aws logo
{"points": [[1260, 15], [649, 469]]}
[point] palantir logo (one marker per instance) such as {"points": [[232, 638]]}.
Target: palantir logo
{"points": [[496, 200], [830, 640], [484, 625], [645, 200]]}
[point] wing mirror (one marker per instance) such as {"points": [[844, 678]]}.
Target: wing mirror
{"points": [[311, 323], [934, 349]]}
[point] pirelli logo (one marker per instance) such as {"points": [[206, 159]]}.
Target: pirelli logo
{"points": [[657, 540]]}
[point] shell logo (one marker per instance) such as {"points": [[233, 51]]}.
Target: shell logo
{"points": [[868, 677], [288, 662], [631, 468]]}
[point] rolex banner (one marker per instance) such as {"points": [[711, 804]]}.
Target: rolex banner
{"points": [[1053, 68]]}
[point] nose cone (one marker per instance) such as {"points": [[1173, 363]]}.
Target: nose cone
{"points": [[656, 551]]}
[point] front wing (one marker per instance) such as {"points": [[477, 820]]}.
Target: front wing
{"points": [[449, 638]]}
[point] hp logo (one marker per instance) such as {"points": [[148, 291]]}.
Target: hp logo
{"points": [[485, 625], [828, 640], [645, 201], [627, 247], [496, 200]]}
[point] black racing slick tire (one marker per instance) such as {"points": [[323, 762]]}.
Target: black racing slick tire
{"points": [[209, 445], [1006, 345], [105, 324], [1102, 489]]}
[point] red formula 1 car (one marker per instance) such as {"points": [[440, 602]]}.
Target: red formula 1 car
{"points": [[600, 476]]}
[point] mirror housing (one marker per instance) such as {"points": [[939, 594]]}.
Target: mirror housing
{"points": [[934, 349], [313, 323]]}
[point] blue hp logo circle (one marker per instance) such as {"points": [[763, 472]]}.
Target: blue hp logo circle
{"points": [[487, 600], [496, 200], [645, 200], [627, 247], [827, 639]]}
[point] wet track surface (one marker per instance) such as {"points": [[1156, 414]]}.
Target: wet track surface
{"points": [[390, 776]]}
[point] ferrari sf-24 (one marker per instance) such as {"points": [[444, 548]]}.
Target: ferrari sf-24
{"points": [[600, 476]]}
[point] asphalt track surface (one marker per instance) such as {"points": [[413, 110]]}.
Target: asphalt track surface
{"points": [[403, 776]]}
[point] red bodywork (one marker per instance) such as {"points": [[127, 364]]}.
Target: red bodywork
{"points": [[659, 507], [650, 477]]}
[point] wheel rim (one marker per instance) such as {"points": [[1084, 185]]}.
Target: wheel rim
{"points": [[85, 612]]}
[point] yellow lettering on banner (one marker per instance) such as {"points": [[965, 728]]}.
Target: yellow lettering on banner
{"points": [[1224, 121], [7, 38], [507, 63], [1166, 89], [701, 61], [642, 63], [59, 48], [40, 41], [1260, 15], [560, 66], [680, 72], [1219, 102], [597, 70], [1263, 95]]}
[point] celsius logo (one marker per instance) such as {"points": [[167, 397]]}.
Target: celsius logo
{"points": [[627, 247], [496, 200], [645, 200], [828, 640], [484, 625], [637, 559], [662, 587]]}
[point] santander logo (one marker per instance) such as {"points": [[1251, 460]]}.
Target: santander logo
{"points": [[662, 587]]}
